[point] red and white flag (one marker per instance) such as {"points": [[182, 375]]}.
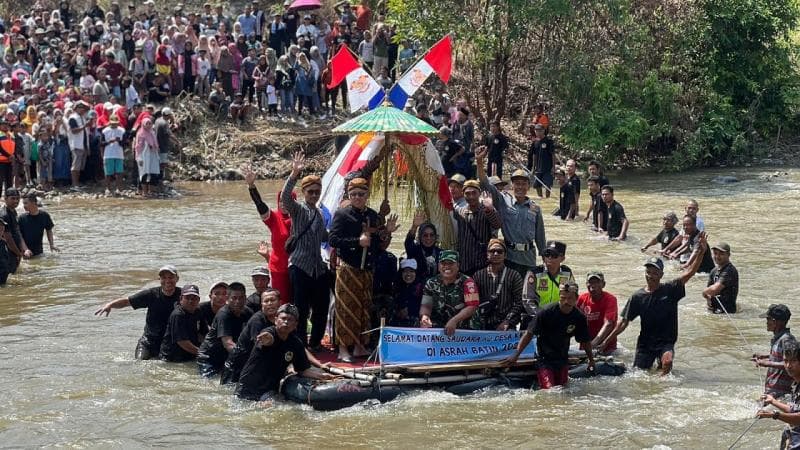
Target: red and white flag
{"points": [[362, 89]]}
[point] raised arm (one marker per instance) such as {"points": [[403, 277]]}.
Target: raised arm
{"points": [[702, 247], [480, 162], [250, 179], [290, 204]]}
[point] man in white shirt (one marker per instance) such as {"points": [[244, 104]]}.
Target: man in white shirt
{"points": [[78, 141], [113, 157], [308, 31]]}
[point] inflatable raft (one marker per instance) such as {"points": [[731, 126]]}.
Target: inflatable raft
{"points": [[360, 385]]}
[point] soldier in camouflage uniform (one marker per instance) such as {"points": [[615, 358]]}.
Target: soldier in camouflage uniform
{"points": [[450, 298]]}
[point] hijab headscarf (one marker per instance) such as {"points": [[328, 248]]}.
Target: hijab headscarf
{"points": [[31, 118], [145, 135]]}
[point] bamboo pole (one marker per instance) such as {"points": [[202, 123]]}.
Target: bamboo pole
{"points": [[352, 374]]}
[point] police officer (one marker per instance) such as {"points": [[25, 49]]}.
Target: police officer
{"points": [[523, 227], [540, 286], [450, 298]]}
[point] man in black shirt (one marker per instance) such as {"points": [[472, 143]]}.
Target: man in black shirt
{"points": [[260, 277], [667, 234], [276, 347], [723, 281], [160, 302], [354, 236], [657, 305], [555, 325], [33, 224], [596, 170], [617, 224], [497, 143], [225, 328], [217, 298], [567, 207], [542, 160], [575, 181], [182, 335], [597, 209], [265, 317], [8, 213]]}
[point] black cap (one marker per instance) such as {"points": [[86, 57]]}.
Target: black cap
{"points": [[555, 248], [779, 312], [655, 262], [190, 289]]}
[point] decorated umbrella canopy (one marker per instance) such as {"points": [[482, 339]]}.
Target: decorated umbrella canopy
{"points": [[403, 136], [388, 120], [303, 5], [393, 124]]}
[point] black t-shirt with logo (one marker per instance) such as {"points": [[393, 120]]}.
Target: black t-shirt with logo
{"points": [[159, 307], [225, 323], [614, 222], [599, 207], [554, 329], [666, 236], [729, 277], [182, 326], [575, 182], [266, 366], [566, 200], [32, 229], [659, 313], [497, 144], [244, 346]]}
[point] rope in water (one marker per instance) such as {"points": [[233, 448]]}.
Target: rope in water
{"points": [[760, 377], [746, 342], [743, 433]]}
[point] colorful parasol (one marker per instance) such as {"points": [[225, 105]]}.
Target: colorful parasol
{"points": [[304, 5], [387, 120]]}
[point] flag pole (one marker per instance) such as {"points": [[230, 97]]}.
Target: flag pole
{"points": [[386, 168]]}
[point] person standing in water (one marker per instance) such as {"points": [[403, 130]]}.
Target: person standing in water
{"points": [[160, 302], [657, 305], [778, 382]]}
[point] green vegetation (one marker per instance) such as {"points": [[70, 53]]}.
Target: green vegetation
{"points": [[673, 84]]}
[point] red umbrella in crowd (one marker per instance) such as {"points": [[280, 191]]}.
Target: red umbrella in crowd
{"points": [[302, 5]]}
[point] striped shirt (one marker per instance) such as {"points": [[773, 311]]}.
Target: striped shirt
{"points": [[306, 255], [475, 228], [508, 305], [778, 381]]}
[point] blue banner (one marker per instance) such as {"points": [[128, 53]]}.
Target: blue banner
{"points": [[433, 346]]}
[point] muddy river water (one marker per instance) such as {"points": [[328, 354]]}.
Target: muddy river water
{"points": [[69, 378]]}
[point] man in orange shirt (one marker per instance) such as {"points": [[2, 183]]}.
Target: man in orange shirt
{"points": [[539, 117], [363, 16], [6, 156]]}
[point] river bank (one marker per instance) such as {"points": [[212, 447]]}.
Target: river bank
{"points": [[216, 149]]}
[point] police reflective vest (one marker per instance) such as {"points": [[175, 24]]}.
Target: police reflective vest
{"points": [[541, 288], [7, 145]]}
